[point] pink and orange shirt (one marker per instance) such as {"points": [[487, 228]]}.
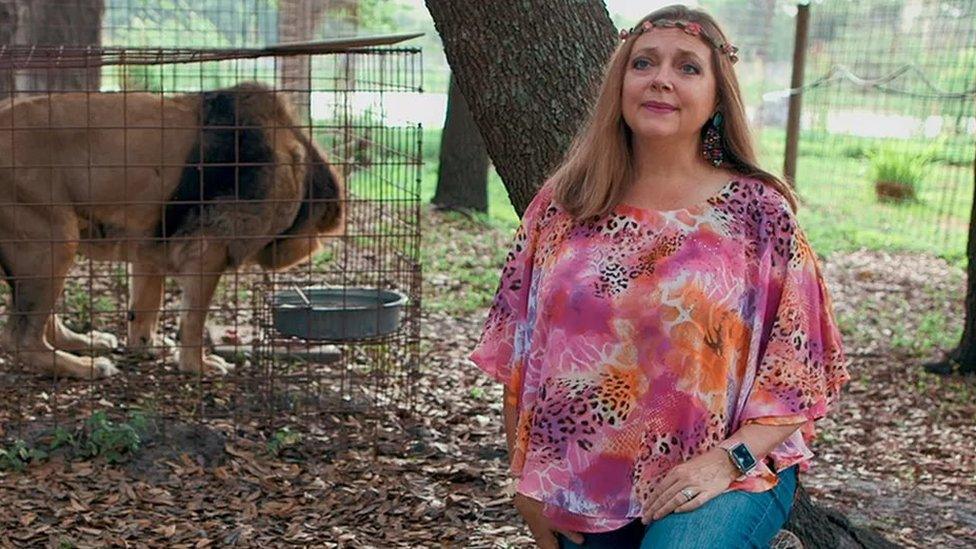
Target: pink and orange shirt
{"points": [[636, 340]]}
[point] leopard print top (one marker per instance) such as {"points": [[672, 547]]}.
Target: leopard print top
{"points": [[639, 339]]}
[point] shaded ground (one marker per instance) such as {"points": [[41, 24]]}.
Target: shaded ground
{"points": [[897, 455]]}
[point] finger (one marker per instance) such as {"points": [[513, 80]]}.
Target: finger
{"points": [[574, 537], [548, 540], [665, 508], [657, 494], [542, 536], [693, 503], [667, 497]]}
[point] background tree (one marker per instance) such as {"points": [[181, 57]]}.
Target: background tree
{"points": [[530, 75], [297, 22], [462, 171], [46, 23], [963, 356]]}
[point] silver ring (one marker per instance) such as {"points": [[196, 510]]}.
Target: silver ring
{"points": [[688, 494]]}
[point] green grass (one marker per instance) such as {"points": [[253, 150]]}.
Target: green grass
{"points": [[841, 213]]}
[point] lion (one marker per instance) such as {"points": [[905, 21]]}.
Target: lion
{"points": [[188, 186]]}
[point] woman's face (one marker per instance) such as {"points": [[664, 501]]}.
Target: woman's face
{"points": [[669, 66]]}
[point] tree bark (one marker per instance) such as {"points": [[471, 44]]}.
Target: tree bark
{"points": [[462, 171], [63, 23], [819, 527], [530, 70], [297, 22], [8, 28]]}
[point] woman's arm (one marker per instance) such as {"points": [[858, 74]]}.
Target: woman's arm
{"points": [[709, 474], [761, 439]]}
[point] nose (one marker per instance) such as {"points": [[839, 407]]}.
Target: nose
{"points": [[662, 80]]}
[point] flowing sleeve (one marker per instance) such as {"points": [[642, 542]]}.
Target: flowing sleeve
{"points": [[801, 360], [501, 347]]}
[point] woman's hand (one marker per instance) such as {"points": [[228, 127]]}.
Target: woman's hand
{"points": [[542, 530], [706, 475]]}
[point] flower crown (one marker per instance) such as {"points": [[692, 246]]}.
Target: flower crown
{"points": [[692, 28]]}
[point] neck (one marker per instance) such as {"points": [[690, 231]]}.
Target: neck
{"points": [[668, 163]]}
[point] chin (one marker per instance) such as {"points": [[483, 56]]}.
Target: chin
{"points": [[655, 133]]}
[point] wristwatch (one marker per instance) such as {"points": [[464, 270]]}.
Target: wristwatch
{"points": [[740, 455]]}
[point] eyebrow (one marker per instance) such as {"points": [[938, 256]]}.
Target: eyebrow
{"points": [[680, 50]]}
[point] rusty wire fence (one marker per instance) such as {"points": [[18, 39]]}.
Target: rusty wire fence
{"points": [[887, 133], [221, 235]]}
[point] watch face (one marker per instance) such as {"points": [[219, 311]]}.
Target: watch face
{"points": [[744, 457]]}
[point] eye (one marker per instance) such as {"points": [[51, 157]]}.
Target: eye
{"points": [[636, 61], [693, 66]]}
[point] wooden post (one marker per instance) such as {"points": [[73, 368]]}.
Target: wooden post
{"points": [[796, 81]]}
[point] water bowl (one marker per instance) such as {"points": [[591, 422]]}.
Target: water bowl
{"points": [[337, 313]]}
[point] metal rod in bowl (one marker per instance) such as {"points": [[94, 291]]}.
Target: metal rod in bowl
{"points": [[302, 295]]}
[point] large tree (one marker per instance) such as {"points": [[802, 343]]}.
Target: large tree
{"points": [[529, 70]]}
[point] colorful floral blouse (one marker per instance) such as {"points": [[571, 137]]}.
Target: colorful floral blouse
{"points": [[633, 341]]}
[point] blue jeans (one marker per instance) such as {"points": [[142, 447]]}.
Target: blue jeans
{"points": [[733, 519]]}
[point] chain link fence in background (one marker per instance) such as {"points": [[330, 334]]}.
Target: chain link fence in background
{"points": [[887, 141]]}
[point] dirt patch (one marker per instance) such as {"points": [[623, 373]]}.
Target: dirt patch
{"points": [[167, 441]]}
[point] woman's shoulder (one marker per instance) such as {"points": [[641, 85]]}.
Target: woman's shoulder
{"points": [[540, 207], [765, 203], [761, 193]]}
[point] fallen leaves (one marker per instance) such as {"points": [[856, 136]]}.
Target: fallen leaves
{"points": [[897, 454]]}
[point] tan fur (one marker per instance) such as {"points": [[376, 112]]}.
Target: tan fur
{"points": [[73, 164]]}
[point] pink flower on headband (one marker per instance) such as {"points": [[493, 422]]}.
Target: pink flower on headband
{"points": [[693, 28], [623, 34], [647, 25]]}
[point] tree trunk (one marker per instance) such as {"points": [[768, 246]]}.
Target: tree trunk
{"points": [[529, 71], [297, 22], [819, 527], [963, 356], [63, 23], [8, 27], [462, 172]]}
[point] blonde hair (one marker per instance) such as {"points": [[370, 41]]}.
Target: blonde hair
{"points": [[592, 177]]}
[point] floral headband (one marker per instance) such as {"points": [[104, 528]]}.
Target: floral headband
{"points": [[689, 27]]}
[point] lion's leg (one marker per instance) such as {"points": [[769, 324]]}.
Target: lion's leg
{"points": [[198, 280], [63, 338], [38, 272], [146, 299]]}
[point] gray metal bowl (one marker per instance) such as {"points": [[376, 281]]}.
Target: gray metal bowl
{"points": [[337, 313]]}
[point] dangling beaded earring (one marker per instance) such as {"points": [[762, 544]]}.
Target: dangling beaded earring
{"points": [[712, 143]]}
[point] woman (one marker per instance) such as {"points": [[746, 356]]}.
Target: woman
{"points": [[662, 327]]}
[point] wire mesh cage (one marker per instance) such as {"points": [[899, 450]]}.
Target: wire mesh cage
{"points": [[224, 234], [887, 115], [889, 99]]}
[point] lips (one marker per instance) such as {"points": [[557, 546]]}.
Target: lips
{"points": [[657, 106]]}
